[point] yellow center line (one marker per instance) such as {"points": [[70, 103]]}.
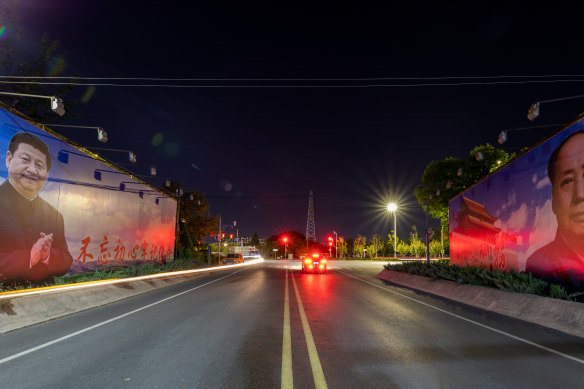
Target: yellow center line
{"points": [[317, 373], [287, 381]]}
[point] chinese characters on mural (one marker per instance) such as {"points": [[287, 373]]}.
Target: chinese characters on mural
{"points": [[146, 251]]}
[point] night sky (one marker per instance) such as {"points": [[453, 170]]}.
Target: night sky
{"points": [[330, 99]]}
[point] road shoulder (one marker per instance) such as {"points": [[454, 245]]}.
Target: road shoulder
{"points": [[565, 316]]}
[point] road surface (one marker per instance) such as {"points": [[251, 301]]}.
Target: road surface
{"points": [[270, 326]]}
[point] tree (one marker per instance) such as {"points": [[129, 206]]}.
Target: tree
{"points": [[376, 245], [16, 62], [417, 247], [255, 240], [196, 223], [350, 246], [359, 246], [390, 245], [296, 244], [403, 248], [435, 248], [444, 179], [341, 247]]}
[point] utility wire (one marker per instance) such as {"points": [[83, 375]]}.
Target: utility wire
{"points": [[561, 99], [301, 86], [286, 79]]}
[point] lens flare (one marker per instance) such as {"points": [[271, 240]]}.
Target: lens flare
{"points": [[56, 66], [2, 31], [89, 92], [157, 139], [172, 148]]}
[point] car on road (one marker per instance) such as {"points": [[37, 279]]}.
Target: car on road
{"points": [[315, 263], [233, 258]]}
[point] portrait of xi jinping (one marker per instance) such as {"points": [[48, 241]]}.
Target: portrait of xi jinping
{"points": [[32, 232]]}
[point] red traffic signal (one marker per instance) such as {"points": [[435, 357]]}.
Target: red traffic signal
{"points": [[230, 236]]}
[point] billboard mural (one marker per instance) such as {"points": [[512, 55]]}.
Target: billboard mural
{"points": [[63, 211], [529, 215]]}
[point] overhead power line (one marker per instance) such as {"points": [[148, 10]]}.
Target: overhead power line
{"points": [[367, 85], [285, 79]]}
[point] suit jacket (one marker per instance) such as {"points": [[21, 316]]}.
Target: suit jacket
{"points": [[21, 222], [557, 263]]}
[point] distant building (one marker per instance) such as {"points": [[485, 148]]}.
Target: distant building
{"points": [[473, 219]]}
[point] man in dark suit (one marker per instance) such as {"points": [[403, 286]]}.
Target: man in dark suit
{"points": [[32, 233], [562, 261]]}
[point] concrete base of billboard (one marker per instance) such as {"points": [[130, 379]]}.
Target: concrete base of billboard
{"points": [[23, 311], [565, 316]]}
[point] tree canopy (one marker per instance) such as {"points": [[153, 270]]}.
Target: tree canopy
{"points": [[444, 179]]}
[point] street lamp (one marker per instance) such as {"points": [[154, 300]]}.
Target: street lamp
{"points": [[285, 239], [57, 105], [101, 133], [131, 155], [392, 208], [336, 255]]}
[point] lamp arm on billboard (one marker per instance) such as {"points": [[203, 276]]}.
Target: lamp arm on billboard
{"points": [[57, 105]]}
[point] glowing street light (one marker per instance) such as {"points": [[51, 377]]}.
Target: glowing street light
{"points": [[392, 208]]}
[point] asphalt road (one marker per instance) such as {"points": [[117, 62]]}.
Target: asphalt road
{"points": [[270, 326]]}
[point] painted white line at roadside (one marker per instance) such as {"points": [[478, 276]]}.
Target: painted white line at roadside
{"points": [[559, 353], [47, 344]]}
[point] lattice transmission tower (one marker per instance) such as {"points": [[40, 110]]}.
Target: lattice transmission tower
{"points": [[310, 228]]}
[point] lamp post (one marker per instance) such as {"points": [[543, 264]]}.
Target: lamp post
{"points": [[336, 254], [285, 247], [392, 208]]}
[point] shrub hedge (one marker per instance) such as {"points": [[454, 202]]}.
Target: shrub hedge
{"points": [[512, 281]]}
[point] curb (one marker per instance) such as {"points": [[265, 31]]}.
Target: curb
{"points": [[34, 308], [561, 315]]}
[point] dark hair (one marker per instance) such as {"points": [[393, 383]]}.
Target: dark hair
{"points": [[30, 139]]}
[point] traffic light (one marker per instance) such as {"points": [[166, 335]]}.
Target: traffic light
{"points": [[230, 236]]}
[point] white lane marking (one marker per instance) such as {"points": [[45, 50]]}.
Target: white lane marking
{"points": [[561, 354], [44, 345]]}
